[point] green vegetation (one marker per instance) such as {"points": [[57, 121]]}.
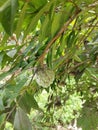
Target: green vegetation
{"points": [[48, 64]]}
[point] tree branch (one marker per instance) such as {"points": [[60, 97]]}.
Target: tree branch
{"points": [[63, 29]]}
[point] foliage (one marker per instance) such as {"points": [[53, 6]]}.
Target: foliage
{"points": [[48, 63]]}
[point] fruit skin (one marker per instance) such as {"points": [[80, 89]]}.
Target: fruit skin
{"points": [[44, 77]]}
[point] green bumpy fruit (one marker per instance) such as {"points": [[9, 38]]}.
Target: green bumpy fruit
{"points": [[44, 77]]}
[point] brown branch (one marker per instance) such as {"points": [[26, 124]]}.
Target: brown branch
{"points": [[63, 29]]}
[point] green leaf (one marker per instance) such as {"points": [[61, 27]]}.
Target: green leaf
{"points": [[1, 57], [61, 49], [7, 14], [35, 19], [27, 102], [57, 23], [76, 57], [12, 91], [59, 18], [7, 47], [1, 104], [2, 2], [4, 5], [45, 28], [12, 53], [5, 74], [21, 19], [21, 121], [38, 3], [2, 119], [78, 74], [14, 6], [5, 60], [49, 59], [71, 39], [89, 119]]}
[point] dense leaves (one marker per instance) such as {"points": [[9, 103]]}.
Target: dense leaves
{"points": [[48, 63]]}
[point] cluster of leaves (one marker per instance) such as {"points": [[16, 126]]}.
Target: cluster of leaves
{"points": [[59, 36]]}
